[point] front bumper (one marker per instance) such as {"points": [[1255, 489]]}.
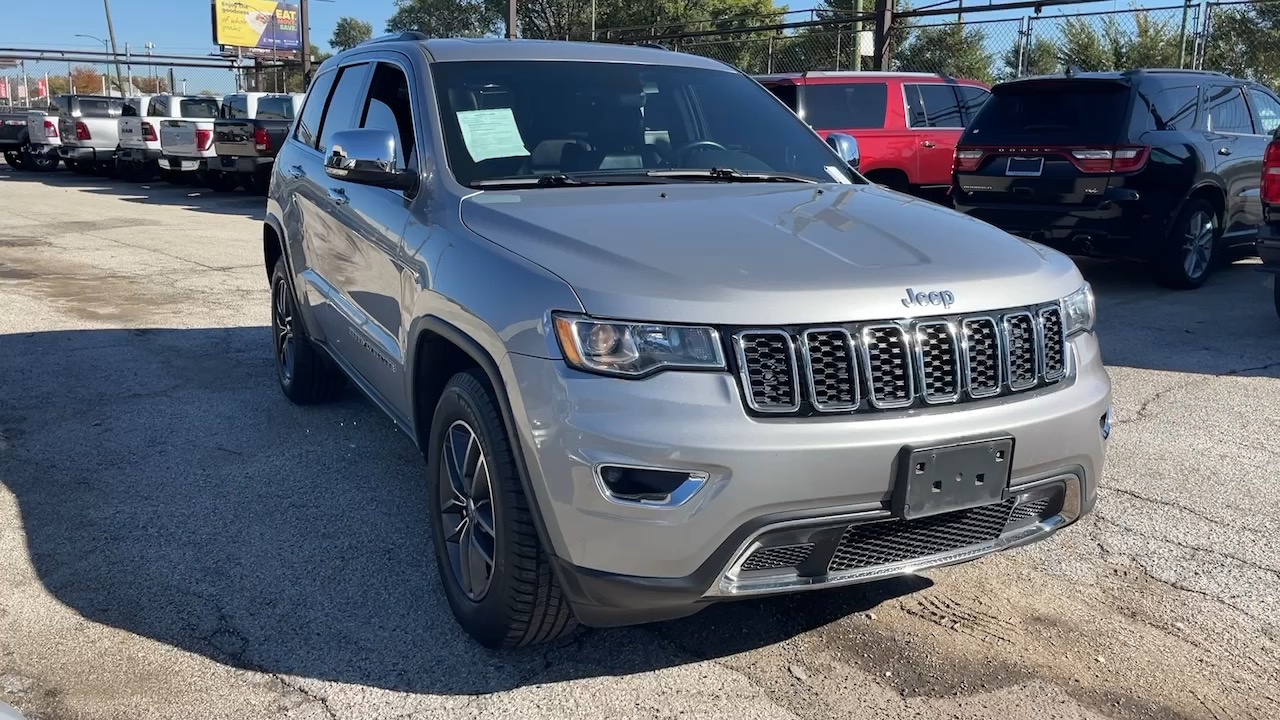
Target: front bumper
{"points": [[624, 562]]}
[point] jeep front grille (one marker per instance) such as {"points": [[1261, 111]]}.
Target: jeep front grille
{"points": [[894, 541], [891, 365]]}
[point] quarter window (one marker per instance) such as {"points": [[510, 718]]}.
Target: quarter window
{"points": [[1266, 111], [972, 98], [1173, 108]]}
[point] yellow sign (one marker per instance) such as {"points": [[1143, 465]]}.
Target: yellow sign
{"points": [[256, 24]]}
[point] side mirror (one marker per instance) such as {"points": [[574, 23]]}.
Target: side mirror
{"points": [[366, 156], [846, 146]]}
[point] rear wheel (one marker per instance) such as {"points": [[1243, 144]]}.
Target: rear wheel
{"points": [[174, 177], [307, 376], [257, 182], [493, 570], [223, 182], [14, 159], [1186, 259], [46, 161]]}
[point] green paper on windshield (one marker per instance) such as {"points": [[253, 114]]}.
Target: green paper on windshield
{"points": [[491, 134]]}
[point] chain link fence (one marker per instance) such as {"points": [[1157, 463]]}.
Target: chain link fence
{"points": [[1239, 38], [32, 82]]}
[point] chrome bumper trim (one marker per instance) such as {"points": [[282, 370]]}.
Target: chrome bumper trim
{"points": [[732, 585]]}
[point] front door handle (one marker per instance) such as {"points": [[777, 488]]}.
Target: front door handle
{"points": [[296, 172], [1224, 151], [338, 196], [926, 143]]}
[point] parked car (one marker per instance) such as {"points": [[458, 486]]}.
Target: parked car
{"points": [[43, 141], [186, 149], [603, 305], [15, 142], [140, 152], [90, 130], [1269, 233], [249, 132], [1160, 165], [907, 124]]}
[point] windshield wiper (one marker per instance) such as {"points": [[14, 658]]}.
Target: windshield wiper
{"points": [[729, 175], [563, 180]]}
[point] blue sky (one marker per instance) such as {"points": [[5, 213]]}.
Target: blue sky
{"points": [[183, 26]]}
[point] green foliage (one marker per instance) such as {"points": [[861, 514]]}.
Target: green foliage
{"points": [[445, 18], [951, 49], [1039, 58], [350, 32], [1245, 42]]}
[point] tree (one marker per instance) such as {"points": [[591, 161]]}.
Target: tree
{"points": [[1242, 42], [349, 33], [446, 18], [1039, 58], [84, 79], [950, 49], [156, 85], [1083, 46]]}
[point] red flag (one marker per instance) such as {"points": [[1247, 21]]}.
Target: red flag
{"points": [[42, 88]]}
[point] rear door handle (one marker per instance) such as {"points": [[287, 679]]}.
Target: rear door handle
{"points": [[926, 143], [338, 196], [295, 172], [1224, 151]]}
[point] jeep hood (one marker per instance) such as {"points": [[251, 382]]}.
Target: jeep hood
{"points": [[759, 254]]}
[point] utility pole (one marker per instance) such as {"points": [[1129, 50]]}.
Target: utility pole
{"points": [[511, 19], [304, 21], [593, 20], [151, 69], [111, 33]]}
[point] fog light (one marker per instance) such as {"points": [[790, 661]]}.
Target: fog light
{"points": [[648, 486], [1105, 424]]}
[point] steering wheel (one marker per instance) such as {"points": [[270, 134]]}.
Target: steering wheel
{"points": [[696, 144]]}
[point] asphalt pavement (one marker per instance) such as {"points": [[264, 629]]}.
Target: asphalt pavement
{"points": [[178, 541]]}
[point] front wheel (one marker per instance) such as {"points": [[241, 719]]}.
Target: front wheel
{"points": [[307, 376], [1186, 258], [494, 572]]}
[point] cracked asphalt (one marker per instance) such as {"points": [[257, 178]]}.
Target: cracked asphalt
{"points": [[177, 541]]}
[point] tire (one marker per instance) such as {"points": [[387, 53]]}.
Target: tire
{"points": [[80, 167], [14, 159], [521, 602], [1276, 280], [307, 376], [223, 182], [257, 183], [173, 177], [126, 170], [41, 162], [1197, 232]]}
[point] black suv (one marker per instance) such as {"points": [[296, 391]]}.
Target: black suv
{"points": [[1160, 165]]}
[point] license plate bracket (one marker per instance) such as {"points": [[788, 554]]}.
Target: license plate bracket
{"points": [[947, 478], [1024, 167]]}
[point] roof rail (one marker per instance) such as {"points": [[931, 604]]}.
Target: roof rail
{"points": [[406, 36], [654, 45]]}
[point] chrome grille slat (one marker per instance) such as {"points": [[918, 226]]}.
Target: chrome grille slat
{"points": [[843, 368], [937, 361], [1020, 343], [832, 369], [886, 354], [768, 370]]}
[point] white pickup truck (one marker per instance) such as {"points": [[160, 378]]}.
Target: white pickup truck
{"points": [[140, 152], [186, 149]]}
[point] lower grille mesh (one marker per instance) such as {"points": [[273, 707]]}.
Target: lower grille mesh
{"points": [[884, 543], [774, 558], [1033, 509]]}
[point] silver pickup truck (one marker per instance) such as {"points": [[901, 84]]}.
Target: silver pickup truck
{"points": [[89, 126]]}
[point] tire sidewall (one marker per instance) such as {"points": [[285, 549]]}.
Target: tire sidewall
{"points": [[487, 619], [1174, 262], [280, 274]]}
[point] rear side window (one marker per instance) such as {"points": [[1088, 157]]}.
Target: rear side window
{"points": [[275, 108], [846, 106], [1053, 113], [933, 106], [235, 108], [309, 124], [787, 94], [1227, 111], [1266, 111], [158, 107], [100, 108], [199, 109], [1170, 108], [972, 99]]}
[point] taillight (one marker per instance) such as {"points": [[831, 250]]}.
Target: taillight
{"points": [[149, 132], [50, 129], [82, 131], [204, 138], [1271, 173], [1109, 160], [261, 139], [968, 159]]}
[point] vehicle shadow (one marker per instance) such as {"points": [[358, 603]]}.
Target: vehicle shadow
{"points": [[1228, 326], [167, 488], [155, 192]]}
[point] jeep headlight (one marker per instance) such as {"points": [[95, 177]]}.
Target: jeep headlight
{"points": [[1078, 312], [632, 349]]}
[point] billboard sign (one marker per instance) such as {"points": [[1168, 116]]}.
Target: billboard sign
{"points": [[258, 24]]}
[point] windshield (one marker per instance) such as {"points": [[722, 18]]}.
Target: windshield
{"points": [[526, 119], [1084, 112]]}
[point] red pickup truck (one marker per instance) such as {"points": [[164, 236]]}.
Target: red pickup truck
{"points": [[907, 124], [1269, 231]]}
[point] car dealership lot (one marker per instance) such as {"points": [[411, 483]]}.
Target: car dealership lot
{"points": [[176, 540]]}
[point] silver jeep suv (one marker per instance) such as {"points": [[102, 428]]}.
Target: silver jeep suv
{"points": [[659, 343]]}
